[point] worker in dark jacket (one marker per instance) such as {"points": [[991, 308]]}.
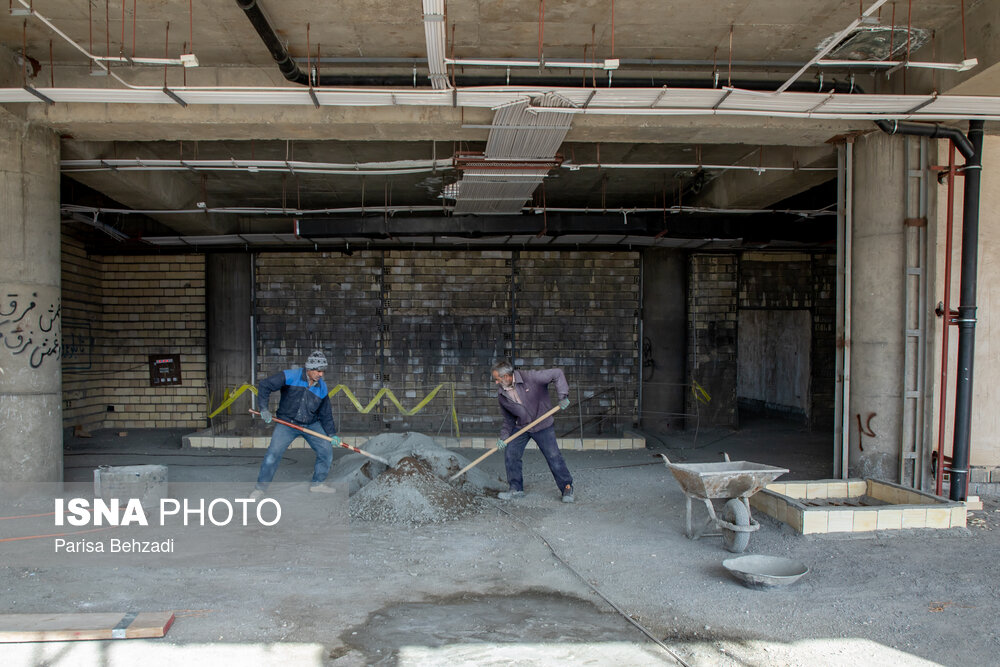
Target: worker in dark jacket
{"points": [[523, 397], [305, 402]]}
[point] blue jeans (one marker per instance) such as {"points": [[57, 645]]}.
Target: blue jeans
{"points": [[281, 438], [546, 441]]}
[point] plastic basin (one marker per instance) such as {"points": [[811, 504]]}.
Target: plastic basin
{"points": [[763, 572]]}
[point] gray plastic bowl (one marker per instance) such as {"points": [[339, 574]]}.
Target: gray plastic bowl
{"points": [[763, 572]]}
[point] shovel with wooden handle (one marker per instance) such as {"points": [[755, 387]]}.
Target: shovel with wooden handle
{"points": [[509, 440], [326, 437]]}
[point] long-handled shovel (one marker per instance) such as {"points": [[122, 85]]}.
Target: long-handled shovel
{"points": [[326, 437], [508, 441]]}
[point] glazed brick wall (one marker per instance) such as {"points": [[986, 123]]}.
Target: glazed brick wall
{"points": [[580, 311], [83, 397], [125, 308], [824, 352], [410, 320], [799, 281], [712, 344], [326, 301]]}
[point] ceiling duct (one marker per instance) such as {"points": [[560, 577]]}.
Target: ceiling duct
{"points": [[520, 151]]}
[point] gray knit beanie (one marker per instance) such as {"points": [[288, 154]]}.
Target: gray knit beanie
{"points": [[316, 361]]}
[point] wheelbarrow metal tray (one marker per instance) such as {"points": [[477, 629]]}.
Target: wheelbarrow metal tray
{"points": [[728, 479]]}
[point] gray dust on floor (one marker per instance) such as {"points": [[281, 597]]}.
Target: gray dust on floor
{"points": [[468, 628]]}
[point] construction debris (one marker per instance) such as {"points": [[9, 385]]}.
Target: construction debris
{"points": [[411, 493], [415, 489]]}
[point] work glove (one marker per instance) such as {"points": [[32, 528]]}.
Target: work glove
{"points": [[500, 444], [265, 414], [335, 440], [564, 403]]}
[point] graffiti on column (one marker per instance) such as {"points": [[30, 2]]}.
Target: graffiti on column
{"points": [[29, 330]]}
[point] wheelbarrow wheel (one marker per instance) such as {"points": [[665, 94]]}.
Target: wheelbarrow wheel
{"points": [[736, 513]]}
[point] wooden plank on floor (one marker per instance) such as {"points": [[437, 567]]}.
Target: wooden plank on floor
{"points": [[89, 625]]}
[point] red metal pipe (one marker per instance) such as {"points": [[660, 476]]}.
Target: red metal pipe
{"points": [[946, 308]]}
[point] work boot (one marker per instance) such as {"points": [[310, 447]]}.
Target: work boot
{"points": [[567, 494], [322, 488], [510, 495]]}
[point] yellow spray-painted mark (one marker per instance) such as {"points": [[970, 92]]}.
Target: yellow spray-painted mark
{"points": [[699, 393], [232, 397], [385, 391]]}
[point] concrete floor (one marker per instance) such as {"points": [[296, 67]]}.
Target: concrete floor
{"points": [[532, 582]]}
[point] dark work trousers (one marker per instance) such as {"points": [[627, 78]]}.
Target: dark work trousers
{"points": [[546, 441]]}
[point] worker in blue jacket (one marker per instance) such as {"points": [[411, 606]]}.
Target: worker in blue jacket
{"points": [[523, 397], [305, 402]]}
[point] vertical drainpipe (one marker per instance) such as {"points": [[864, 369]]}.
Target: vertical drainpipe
{"points": [[971, 148], [959, 474]]}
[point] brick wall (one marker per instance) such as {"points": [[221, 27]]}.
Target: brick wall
{"points": [[410, 321], [712, 332], [776, 280], [983, 481], [824, 352], [787, 281], [154, 306], [83, 397], [123, 310], [579, 311]]}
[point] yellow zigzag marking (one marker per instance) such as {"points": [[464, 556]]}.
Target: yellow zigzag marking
{"points": [[699, 393], [232, 397], [385, 391]]}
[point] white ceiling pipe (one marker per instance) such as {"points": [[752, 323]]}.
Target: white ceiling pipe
{"points": [[126, 60], [434, 36], [607, 64], [681, 209], [249, 210], [78, 166], [632, 101], [910, 64], [874, 107], [778, 113], [254, 170], [189, 61], [253, 166], [573, 166]]}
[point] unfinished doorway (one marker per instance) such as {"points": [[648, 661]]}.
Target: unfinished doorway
{"points": [[774, 362]]}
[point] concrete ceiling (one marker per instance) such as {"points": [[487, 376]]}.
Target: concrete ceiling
{"points": [[706, 44]]}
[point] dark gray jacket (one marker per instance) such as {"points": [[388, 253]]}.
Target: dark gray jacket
{"points": [[532, 388]]}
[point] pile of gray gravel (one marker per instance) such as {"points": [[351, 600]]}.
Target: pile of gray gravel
{"points": [[415, 489], [411, 493]]}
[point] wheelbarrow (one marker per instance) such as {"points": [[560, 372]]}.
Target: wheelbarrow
{"points": [[735, 480]]}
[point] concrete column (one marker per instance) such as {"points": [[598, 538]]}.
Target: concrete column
{"points": [[877, 299], [664, 339], [229, 298], [30, 320]]}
